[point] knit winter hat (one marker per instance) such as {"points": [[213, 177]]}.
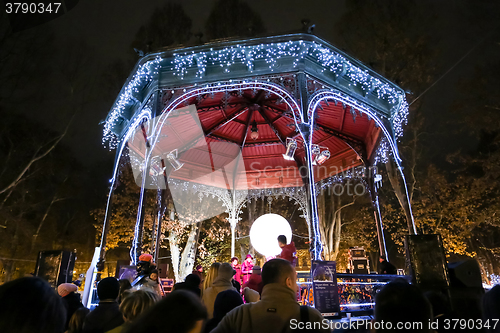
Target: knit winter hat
{"points": [[251, 295], [249, 256], [66, 288], [108, 288], [226, 301], [256, 269], [226, 272], [193, 279], [145, 257]]}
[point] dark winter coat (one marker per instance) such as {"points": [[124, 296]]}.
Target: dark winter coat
{"points": [[255, 283], [103, 318], [72, 303], [386, 267]]}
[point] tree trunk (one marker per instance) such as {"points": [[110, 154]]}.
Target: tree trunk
{"points": [[323, 223], [8, 266], [187, 258], [338, 232], [182, 264], [174, 254], [326, 208]]}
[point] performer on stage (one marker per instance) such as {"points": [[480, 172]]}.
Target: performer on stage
{"points": [[386, 267], [246, 268], [288, 251], [237, 268]]}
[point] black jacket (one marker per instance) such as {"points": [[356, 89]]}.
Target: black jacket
{"points": [[103, 318], [386, 267], [72, 303]]}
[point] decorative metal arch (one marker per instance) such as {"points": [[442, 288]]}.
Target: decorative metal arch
{"points": [[234, 201], [388, 137]]}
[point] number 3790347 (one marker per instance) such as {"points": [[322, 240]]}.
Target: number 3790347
{"points": [[32, 8]]}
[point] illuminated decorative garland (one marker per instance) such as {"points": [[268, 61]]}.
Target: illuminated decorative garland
{"points": [[270, 53], [145, 73], [383, 152], [248, 55]]}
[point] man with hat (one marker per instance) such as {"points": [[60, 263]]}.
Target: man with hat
{"points": [[222, 282], [70, 298], [246, 268]]}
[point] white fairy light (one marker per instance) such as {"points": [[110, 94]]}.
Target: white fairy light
{"points": [[233, 57]]}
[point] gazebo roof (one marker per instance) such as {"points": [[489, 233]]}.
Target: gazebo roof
{"points": [[233, 86]]}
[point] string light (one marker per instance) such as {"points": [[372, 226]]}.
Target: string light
{"points": [[248, 55], [383, 152], [270, 55], [144, 74]]}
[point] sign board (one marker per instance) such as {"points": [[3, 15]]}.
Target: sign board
{"points": [[167, 284], [326, 297]]}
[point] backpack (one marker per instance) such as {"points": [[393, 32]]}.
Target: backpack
{"points": [[304, 318]]}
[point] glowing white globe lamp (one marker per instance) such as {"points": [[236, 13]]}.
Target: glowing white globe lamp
{"points": [[265, 231]]}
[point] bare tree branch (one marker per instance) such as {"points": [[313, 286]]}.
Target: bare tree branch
{"points": [[36, 158]]}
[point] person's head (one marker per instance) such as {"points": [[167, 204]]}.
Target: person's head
{"points": [[125, 287], [251, 295], [212, 274], [226, 301], [256, 270], [248, 258], [234, 261], [282, 240], [136, 303], [154, 275], [146, 257], [402, 302], [439, 303], [199, 268], [279, 271], [77, 319], [226, 271], [30, 305], [108, 289], [180, 311], [193, 280], [64, 289]]}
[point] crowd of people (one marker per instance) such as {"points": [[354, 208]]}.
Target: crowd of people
{"points": [[266, 301]]}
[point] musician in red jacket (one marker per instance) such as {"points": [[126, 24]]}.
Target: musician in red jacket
{"points": [[246, 268], [288, 251]]}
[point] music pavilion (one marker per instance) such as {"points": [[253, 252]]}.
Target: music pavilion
{"points": [[276, 116]]}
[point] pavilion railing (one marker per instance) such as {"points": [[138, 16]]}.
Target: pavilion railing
{"points": [[356, 291]]}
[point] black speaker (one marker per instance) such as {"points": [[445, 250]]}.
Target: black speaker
{"points": [[465, 274], [466, 289], [55, 267], [360, 266], [426, 260], [357, 253]]}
